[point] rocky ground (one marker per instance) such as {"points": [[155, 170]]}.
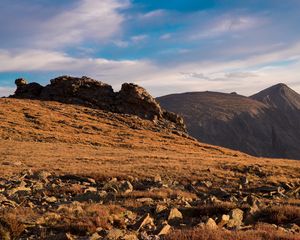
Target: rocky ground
{"points": [[42, 205]]}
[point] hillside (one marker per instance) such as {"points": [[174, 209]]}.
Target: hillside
{"points": [[69, 171], [266, 124]]}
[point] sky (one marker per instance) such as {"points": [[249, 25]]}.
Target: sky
{"points": [[166, 46]]}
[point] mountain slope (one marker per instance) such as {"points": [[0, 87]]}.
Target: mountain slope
{"points": [[266, 124], [63, 137], [279, 96], [70, 171]]}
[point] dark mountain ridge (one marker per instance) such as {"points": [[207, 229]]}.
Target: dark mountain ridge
{"points": [[266, 124]]}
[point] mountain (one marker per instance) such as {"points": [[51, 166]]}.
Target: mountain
{"points": [[266, 124], [80, 161], [279, 96]]}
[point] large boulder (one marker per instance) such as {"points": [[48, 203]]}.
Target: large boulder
{"points": [[79, 91], [27, 90], [133, 99]]}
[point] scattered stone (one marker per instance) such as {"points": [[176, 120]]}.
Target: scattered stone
{"points": [[127, 187], [211, 224], [90, 189], [145, 200], [207, 184], [175, 214], [164, 229], [160, 208], [102, 194], [236, 218], [145, 220], [51, 199], [157, 178], [224, 220], [18, 190], [95, 236]]}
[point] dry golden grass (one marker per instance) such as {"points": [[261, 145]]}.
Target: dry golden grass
{"points": [[262, 232], [73, 139], [14, 221], [279, 214]]}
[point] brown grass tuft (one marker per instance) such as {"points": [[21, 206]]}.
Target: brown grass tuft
{"points": [[279, 214], [261, 232]]}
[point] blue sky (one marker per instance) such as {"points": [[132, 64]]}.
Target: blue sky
{"points": [[165, 46]]}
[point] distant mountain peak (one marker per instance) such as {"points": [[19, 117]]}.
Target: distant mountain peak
{"points": [[279, 96]]}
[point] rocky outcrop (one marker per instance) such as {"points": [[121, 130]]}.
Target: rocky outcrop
{"points": [[131, 99], [26, 90]]}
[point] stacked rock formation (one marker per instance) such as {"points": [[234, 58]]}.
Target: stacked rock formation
{"points": [[131, 99]]}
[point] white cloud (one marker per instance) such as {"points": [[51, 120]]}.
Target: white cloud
{"points": [[241, 75], [153, 14], [121, 44], [6, 91], [229, 23], [245, 76], [96, 20], [110, 71], [139, 38], [165, 36]]}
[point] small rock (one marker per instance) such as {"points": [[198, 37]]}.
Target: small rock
{"points": [[145, 200], [160, 208], [211, 224], [127, 187], [90, 189], [224, 220], [51, 199], [236, 218], [95, 236], [18, 190], [102, 194], [145, 220], [207, 184], [157, 178], [91, 180], [164, 229], [175, 214]]}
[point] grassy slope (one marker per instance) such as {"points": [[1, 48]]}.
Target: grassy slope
{"points": [[74, 139]]}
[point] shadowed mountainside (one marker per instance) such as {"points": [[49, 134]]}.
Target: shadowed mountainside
{"points": [[265, 124]]}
